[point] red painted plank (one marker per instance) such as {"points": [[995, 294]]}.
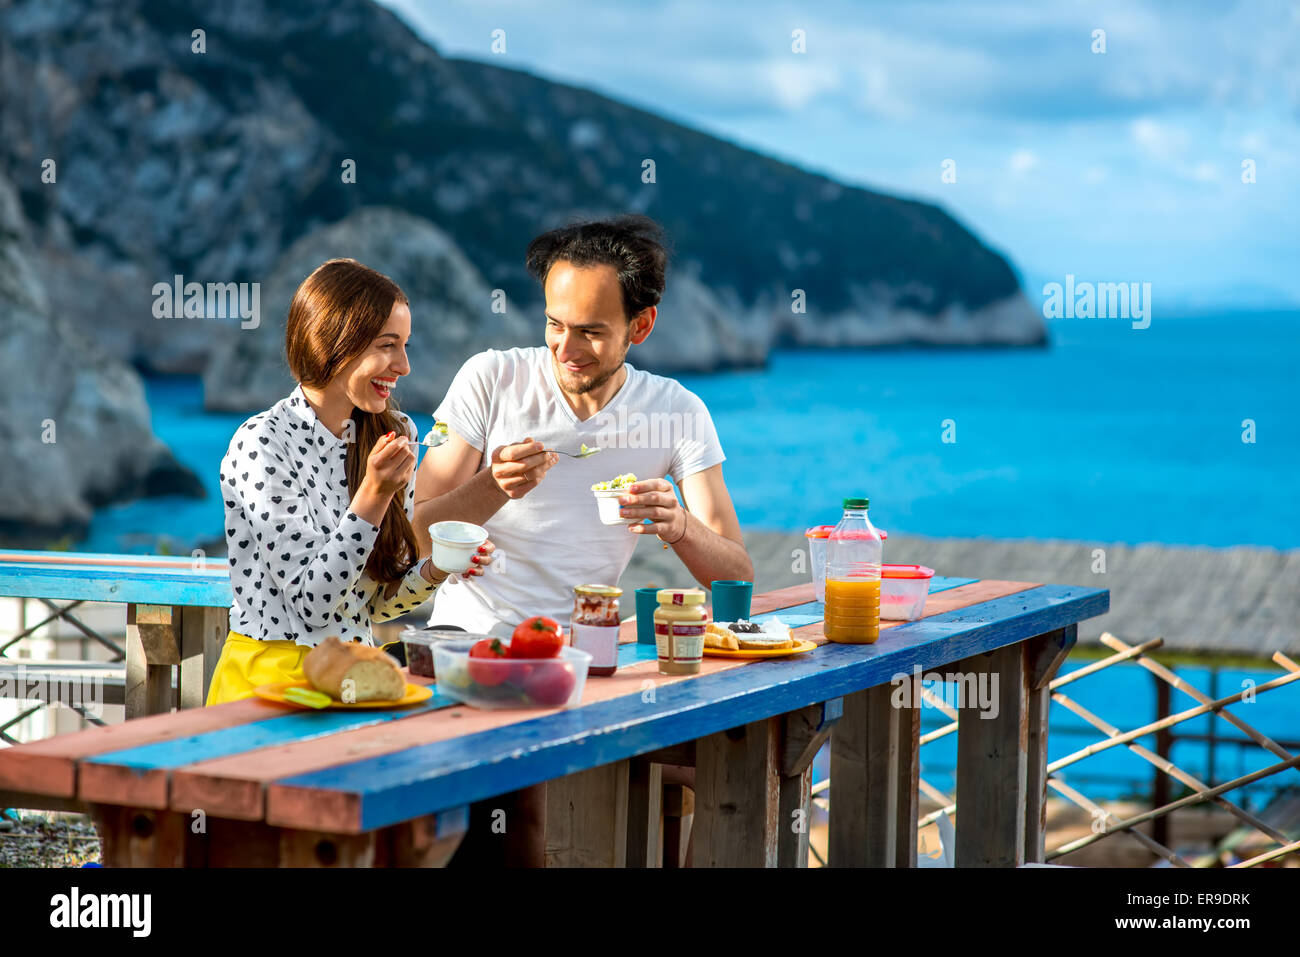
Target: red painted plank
{"points": [[49, 766]]}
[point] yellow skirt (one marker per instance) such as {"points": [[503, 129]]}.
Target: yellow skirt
{"points": [[246, 663]]}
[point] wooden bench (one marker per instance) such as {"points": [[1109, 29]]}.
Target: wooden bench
{"points": [[178, 612], [329, 788]]}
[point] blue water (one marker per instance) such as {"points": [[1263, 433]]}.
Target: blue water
{"points": [[1111, 434]]}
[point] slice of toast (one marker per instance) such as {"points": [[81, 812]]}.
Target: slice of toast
{"points": [[764, 642], [719, 636]]}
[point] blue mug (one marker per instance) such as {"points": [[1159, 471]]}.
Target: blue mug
{"points": [[647, 600], [731, 600]]}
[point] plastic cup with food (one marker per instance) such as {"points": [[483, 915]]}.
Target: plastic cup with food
{"points": [[455, 544], [607, 499]]}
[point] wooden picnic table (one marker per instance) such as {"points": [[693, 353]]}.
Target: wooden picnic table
{"points": [[177, 616], [270, 786]]}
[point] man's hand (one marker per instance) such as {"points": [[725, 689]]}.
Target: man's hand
{"points": [[518, 469], [654, 499]]}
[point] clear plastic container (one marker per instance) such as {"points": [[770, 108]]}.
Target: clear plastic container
{"points": [[498, 683], [853, 558], [817, 536], [903, 590], [419, 644]]}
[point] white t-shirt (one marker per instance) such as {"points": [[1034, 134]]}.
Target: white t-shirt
{"points": [[552, 538]]}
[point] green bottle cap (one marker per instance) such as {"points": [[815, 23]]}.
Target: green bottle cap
{"points": [[856, 502]]}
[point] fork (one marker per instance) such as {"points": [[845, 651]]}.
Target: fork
{"points": [[435, 438], [574, 455]]}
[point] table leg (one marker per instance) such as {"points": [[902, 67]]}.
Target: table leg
{"points": [[644, 805], [737, 800], [202, 630], [874, 772], [151, 652], [1044, 656], [992, 758], [587, 818], [803, 733]]}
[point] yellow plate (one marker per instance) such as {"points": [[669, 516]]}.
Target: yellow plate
{"points": [[801, 645], [275, 692]]}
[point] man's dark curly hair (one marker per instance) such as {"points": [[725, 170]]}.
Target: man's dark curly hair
{"points": [[634, 245]]}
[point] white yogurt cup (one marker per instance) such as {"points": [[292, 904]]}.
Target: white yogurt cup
{"points": [[608, 505], [455, 544]]}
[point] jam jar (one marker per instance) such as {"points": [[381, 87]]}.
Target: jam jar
{"points": [[594, 626]]}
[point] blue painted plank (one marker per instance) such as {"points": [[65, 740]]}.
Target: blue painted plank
{"points": [[151, 586], [91, 558], [425, 779], [287, 729]]}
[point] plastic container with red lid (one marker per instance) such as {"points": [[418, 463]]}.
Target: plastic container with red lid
{"points": [[817, 536], [903, 590]]}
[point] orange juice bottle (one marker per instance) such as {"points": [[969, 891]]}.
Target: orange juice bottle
{"points": [[853, 556]]}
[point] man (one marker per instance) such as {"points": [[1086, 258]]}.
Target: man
{"points": [[602, 283]]}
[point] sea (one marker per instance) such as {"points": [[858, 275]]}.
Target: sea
{"points": [[1185, 432]]}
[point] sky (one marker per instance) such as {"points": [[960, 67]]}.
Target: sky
{"points": [[1117, 166]]}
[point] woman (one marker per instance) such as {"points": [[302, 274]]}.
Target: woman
{"points": [[318, 488]]}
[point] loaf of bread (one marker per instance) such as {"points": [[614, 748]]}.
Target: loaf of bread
{"points": [[351, 671]]}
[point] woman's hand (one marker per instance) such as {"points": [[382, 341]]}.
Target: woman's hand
{"points": [[390, 465], [480, 561]]}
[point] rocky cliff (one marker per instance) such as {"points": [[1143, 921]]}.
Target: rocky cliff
{"points": [[227, 165], [75, 428]]}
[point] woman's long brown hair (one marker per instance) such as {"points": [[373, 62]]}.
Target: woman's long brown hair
{"points": [[336, 314]]}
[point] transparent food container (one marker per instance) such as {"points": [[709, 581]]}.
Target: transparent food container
{"points": [[419, 644], [498, 683], [817, 536], [903, 590]]}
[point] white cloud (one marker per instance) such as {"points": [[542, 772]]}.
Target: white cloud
{"points": [[1022, 161], [1159, 140]]}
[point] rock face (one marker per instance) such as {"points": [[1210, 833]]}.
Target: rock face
{"points": [[214, 164], [452, 313], [75, 427]]}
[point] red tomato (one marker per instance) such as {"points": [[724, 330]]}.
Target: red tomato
{"points": [[489, 649], [549, 686], [538, 637]]}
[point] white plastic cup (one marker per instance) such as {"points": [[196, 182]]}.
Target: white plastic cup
{"points": [[608, 505], [455, 544]]}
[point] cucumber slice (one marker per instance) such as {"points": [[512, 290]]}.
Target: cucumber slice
{"points": [[308, 697]]}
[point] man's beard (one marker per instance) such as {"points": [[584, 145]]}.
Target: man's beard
{"points": [[578, 387]]}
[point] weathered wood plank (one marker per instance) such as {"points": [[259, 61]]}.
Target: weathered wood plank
{"points": [[137, 837], [1044, 655], [586, 818], [865, 764], [737, 799], [644, 809], [992, 762], [202, 632], [148, 683]]}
